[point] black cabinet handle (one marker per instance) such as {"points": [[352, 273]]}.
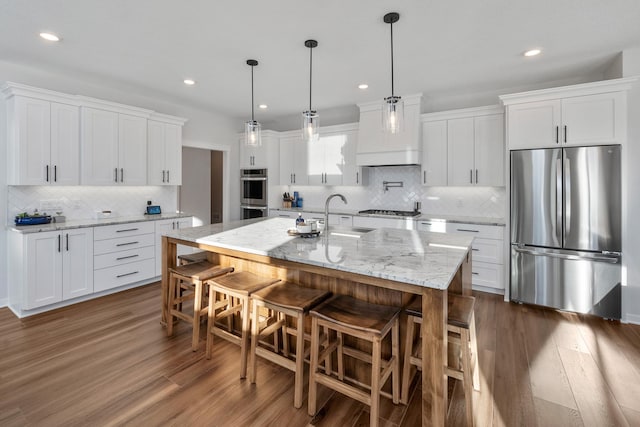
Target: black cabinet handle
{"points": [[58, 243], [115, 174], [168, 180], [565, 133], [470, 176], [467, 229], [476, 176], [121, 174], [124, 230], [424, 177], [47, 172], [127, 244], [126, 257], [557, 131], [127, 274], [55, 173], [163, 176], [67, 241], [357, 177], [475, 274]]}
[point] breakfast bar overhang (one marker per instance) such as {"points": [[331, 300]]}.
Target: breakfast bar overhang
{"points": [[382, 266]]}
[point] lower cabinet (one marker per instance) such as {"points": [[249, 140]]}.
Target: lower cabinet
{"points": [[50, 267], [123, 254], [377, 222], [164, 226]]}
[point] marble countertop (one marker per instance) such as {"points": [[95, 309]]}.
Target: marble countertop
{"points": [[408, 256], [84, 223], [479, 220]]}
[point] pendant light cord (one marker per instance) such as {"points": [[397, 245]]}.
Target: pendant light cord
{"points": [[392, 91], [310, 73], [252, 118]]}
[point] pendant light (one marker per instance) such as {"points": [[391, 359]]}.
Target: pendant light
{"points": [[310, 118], [253, 129], [393, 107]]}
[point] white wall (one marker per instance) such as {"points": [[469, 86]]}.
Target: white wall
{"points": [[631, 249], [195, 192], [204, 128], [3, 210]]}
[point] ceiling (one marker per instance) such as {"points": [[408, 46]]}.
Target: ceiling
{"points": [[441, 47]]}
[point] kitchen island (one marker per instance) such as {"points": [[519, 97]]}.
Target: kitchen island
{"points": [[382, 266]]}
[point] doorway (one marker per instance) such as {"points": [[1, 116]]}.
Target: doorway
{"points": [[216, 186], [201, 192]]}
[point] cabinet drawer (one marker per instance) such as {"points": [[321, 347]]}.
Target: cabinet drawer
{"points": [[488, 275], [430, 225], [123, 230], [123, 257], [123, 244], [121, 275], [483, 231], [487, 250]]}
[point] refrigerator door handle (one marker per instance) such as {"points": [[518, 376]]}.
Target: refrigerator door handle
{"points": [[565, 256], [567, 199], [559, 200]]}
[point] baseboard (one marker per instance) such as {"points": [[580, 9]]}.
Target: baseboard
{"points": [[4, 302], [631, 318], [488, 289]]}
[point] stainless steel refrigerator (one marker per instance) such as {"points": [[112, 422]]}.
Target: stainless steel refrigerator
{"points": [[565, 229]]}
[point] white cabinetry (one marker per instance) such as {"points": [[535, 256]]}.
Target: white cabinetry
{"points": [[487, 261], [164, 146], [165, 226], [114, 148], [378, 222], [326, 159], [49, 267], [43, 141], [376, 147], [586, 114], [464, 147], [293, 159], [123, 254]]}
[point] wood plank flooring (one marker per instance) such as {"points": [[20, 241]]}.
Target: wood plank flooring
{"points": [[108, 362]]}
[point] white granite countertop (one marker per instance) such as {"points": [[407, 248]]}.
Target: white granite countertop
{"points": [[479, 220], [408, 256], [84, 223]]}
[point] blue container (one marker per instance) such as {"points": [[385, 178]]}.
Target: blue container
{"points": [[299, 202]]}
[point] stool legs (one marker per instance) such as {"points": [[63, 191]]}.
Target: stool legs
{"points": [[299, 374], [246, 323], [315, 345], [197, 312], [406, 367], [375, 383]]}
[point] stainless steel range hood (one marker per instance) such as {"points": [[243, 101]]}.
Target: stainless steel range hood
{"points": [[376, 148]]}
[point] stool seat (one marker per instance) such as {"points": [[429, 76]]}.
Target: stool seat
{"points": [[460, 309], [356, 314], [193, 257], [242, 282], [203, 270], [290, 296]]}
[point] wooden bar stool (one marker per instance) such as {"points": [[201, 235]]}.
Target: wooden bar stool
{"points": [[366, 321], [190, 278], [283, 299], [461, 328], [235, 290], [192, 257]]}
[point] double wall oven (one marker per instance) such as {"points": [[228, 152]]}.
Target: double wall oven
{"points": [[253, 198]]}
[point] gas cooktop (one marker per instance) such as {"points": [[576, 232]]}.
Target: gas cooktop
{"points": [[388, 212]]}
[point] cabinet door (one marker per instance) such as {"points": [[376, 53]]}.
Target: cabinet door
{"points": [[489, 150], [77, 262], [99, 139], [352, 173], [132, 149], [333, 159], [293, 161], [534, 124], [173, 153], [593, 119], [300, 163], [434, 153], [44, 269], [156, 168], [33, 142], [460, 151], [65, 144]]}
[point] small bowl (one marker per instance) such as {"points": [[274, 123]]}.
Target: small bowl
{"points": [[303, 228]]}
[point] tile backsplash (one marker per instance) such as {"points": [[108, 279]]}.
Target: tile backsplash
{"points": [[82, 202], [460, 201]]}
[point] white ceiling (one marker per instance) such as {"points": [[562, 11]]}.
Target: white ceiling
{"points": [[441, 47]]}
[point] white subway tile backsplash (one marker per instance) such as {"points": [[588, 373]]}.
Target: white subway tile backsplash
{"points": [[82, 202]]}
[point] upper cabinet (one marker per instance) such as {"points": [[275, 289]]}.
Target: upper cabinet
{"points": [[43, 138], [60, 139], [463, 147], [376, 147], [114, 148], [262, 157], [331, 159], [293, 159], [164, 150], [586, 114]]}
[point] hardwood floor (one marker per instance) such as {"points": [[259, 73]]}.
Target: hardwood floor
{"points": [[109, 362]]}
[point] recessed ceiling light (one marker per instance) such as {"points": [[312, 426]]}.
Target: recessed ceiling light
{"points": [[532, 52], [263, 106], [49, 36], [363, 86], [189, 82]]}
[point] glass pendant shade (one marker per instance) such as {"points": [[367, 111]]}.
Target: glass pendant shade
{"points": [[393, 114], [253, 134], [310, 125]]}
